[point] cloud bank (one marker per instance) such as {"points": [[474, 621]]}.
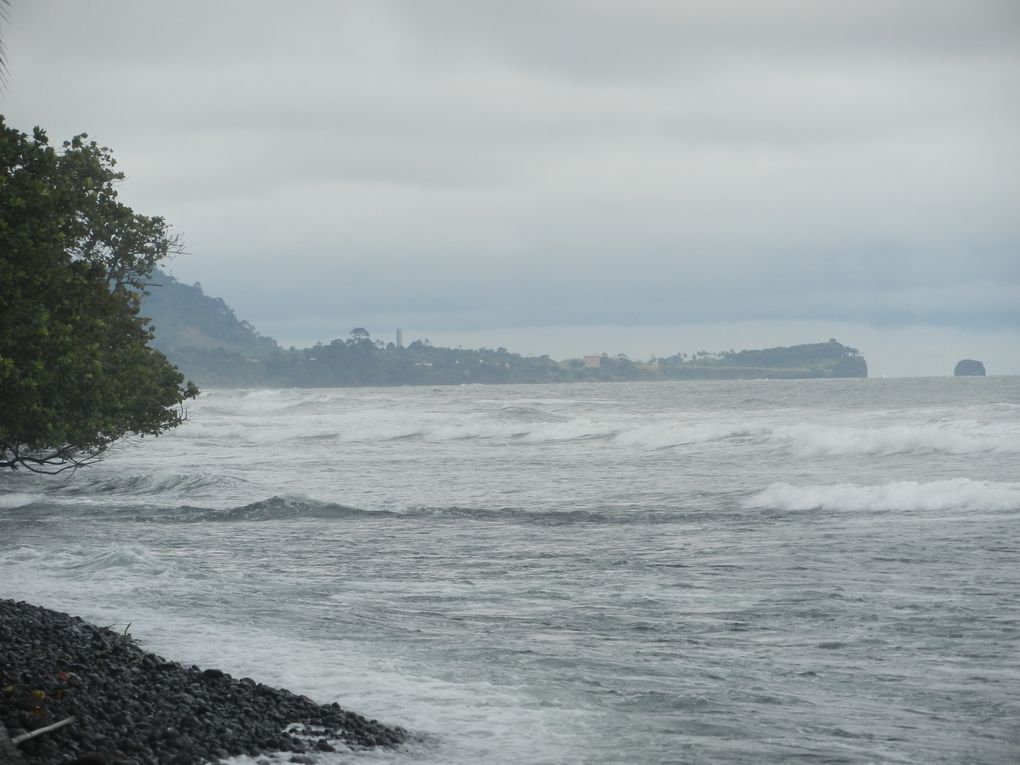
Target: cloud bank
{"points": [[464, 167]]}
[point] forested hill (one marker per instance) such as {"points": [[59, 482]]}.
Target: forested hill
{"points": [[210, 345], [202, 335], [830, 359], [184, 316]]}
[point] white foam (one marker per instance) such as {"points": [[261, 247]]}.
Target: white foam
{"points": [[952, 494], [569, 431], [13, 501], [23, 554], [469, 721], [952, 437], [117, 556]]}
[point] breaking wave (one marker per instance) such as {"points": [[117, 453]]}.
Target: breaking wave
{"points": [[532, 425], [294, 508], [283, 508], [120, 556], [277, 508], [14, 501], [954, 437], [147, 484], [952, 494]]}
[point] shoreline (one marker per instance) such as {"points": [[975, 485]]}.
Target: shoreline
{"points": [[136, 708]]}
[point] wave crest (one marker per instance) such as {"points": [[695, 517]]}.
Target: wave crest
{"points": [[14, 501], [120, 556], [956, 437], [952, 494], [147, 484], [278, 508]]}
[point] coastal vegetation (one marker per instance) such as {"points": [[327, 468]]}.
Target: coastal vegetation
{"points": [[77, 371], [204, 337]]}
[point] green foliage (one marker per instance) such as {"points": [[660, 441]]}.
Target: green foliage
{"points": [[360, 361], [183, 317], [203, 337], [830, 359], [76, 370]]}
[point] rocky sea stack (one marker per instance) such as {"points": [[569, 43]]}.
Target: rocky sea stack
{"points": [[969, 368], [133, 707]]}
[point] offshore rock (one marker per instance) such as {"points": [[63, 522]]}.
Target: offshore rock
{"points": [[969, 368], [133, 706]]}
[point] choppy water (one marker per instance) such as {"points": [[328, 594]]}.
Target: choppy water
{"points": [[726, 572]]}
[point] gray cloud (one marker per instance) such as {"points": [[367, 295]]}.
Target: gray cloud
{"points": [[465, 166]]}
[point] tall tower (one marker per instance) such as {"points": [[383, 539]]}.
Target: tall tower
{"points": [[400, 338]]}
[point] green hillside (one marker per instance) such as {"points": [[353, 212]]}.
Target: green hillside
{"points": [[203, 337], [812, 360]]}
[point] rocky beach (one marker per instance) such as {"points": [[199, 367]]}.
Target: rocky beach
{"points": [[133, 707]]}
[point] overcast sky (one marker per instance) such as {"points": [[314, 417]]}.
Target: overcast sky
{"points": [[565, 177]]}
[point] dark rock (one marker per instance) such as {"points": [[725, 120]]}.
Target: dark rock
{"points": [[969, 368], [131, 706], [8, 753]]}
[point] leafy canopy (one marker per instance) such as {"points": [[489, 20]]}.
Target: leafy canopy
{"points": [[76, 370]]}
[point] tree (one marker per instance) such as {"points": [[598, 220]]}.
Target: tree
{"points": [[76, 370], [360, 338]]}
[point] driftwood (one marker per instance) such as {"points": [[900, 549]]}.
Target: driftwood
{"points": [[39, 731]]}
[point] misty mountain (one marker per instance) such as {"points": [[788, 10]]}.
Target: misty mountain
{"points": [[203, 337], [183, 316]]}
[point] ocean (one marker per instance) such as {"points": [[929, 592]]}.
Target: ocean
{"points": [[816, 571]]}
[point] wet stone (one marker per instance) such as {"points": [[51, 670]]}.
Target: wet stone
{"points": [[132, 706]]}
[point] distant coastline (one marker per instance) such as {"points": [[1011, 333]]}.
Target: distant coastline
{"points": [[203, 337]]}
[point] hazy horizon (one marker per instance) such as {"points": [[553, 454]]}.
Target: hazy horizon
{"points": [[889, 352], [565, 178]]}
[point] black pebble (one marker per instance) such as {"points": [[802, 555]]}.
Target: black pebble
{"points": [[135, 707]]}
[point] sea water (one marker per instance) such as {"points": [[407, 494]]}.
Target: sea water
{"points": [[696, 572]]}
